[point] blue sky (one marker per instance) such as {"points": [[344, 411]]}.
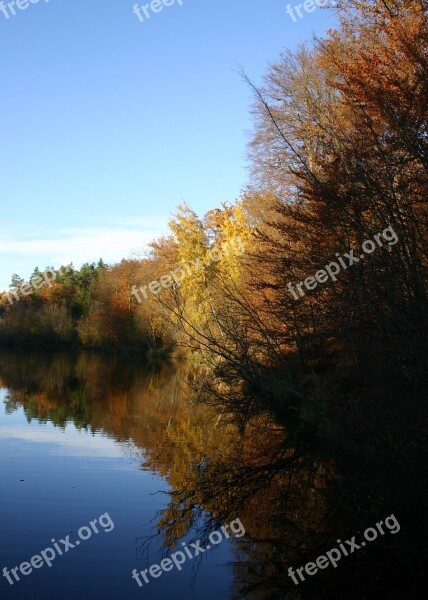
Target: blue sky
{"points": [[107, 123]]}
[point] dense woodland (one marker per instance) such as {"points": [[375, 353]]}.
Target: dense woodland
{"points": [[339, 153]]}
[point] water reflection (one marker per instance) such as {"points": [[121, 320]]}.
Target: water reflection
{"points": [[294, 498]]}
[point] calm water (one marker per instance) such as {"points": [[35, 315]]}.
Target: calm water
{"points": [[85, 435]]}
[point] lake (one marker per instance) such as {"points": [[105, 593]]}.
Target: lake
{"points": [[120, 457]]}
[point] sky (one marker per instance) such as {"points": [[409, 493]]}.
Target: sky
{"points": [[109, 123]]}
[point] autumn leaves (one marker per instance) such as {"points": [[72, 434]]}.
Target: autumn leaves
{"points": [[334, 268], [187, 269]]}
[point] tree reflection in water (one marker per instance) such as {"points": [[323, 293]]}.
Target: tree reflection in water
{"points": [[294, 497]]}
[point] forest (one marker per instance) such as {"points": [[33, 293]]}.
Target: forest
{"points": [[338, 154]]}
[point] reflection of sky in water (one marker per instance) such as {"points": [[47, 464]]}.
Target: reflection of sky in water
{"points": [[68, 441], [54, 480], [65, 441]]}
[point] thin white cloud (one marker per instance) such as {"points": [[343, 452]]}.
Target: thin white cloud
{"points": [[118, 238], [83, 244], [151, 222]]}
